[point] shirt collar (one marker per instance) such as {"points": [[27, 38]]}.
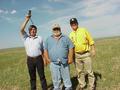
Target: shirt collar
{"points": [[33, 37], [77, 30], [60, 35]]}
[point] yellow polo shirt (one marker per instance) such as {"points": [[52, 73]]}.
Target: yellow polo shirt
{"points": [[81, 39]]}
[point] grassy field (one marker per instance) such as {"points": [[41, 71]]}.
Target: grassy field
{"points": [[106, 65]]}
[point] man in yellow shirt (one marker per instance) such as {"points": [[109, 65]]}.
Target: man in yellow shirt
{"points": [[84, 49]]}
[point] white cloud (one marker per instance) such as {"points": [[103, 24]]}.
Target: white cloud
{"points": [[13, 11], [62, 21], [99, 27], [88, 8], [2, 11], [33, 8], [103, 26], [64, 1], [8, 19], [104, 21], [55, 0], [99, 8]]}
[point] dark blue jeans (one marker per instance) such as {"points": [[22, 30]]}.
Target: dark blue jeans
{"points": [[34, 63]]}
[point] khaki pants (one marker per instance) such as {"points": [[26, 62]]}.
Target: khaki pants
{"points": [[83, 67]]}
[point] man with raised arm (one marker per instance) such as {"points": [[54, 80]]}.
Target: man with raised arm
{"points": [[34, 50]]}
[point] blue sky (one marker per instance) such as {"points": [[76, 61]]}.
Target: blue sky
{"points": [[101, 17]]}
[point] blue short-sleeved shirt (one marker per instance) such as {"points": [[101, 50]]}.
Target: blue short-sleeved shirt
{"points": [[58, 49]]}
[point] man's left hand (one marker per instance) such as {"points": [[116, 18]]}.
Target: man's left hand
{"points": [[70, 61]]}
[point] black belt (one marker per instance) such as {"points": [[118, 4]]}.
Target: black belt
{"points": [[33, 57], [82, 52]]}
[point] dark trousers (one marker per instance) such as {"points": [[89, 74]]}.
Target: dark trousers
{"points": [[33, 64]]}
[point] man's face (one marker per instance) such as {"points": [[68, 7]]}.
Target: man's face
{"points": [[74, 26], [33, 32], [56, 32]]}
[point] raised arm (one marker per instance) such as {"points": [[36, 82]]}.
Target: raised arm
{"points": [[22, 29]]}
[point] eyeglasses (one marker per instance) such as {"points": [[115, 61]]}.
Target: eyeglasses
{"points": [[74, 24]]}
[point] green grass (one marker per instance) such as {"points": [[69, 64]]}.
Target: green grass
{"points": [[14, 74]]}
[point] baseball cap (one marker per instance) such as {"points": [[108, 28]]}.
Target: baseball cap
{"points": [[55, 26], [73, 20]]}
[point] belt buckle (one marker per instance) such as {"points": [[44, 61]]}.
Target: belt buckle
{"points": [[82, 52], [59, 61], [33, 57]]}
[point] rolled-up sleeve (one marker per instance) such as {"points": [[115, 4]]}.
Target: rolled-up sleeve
{"points": [[89, 38], [46, 45], [70, 44], [24, 35]]}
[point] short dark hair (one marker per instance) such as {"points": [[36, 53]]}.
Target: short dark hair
{"points": [[32, 26]]}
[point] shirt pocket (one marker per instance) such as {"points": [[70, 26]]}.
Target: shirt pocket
{"points": [[64, 44]]}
